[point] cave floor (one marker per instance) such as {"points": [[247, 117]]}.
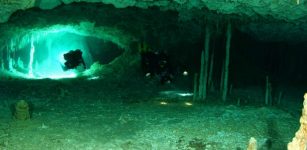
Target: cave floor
{"points": [[110, 117]]}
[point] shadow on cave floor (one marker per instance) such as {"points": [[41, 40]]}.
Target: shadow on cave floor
{"points": [[131, 114]]}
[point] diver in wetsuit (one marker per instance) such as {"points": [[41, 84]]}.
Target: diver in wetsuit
{"points": [[156, 64], [164, 71], [73, 59], [149, 61]]}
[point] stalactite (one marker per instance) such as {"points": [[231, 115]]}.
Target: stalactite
{"points": [[201, 75], [210, 82], [222, 78], [206, 59], [226, 67]]}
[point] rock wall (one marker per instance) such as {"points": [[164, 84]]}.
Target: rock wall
{"points": [[267, 20], [290, 10]]}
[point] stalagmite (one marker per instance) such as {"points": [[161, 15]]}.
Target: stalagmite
{"points": [[203, 76], [2, 60], [300, 140], [268, 92], [252, 144], [195, 87]]}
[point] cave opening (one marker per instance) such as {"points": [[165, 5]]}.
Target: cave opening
{"points": [[41, 55]]}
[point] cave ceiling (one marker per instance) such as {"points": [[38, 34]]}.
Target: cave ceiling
{"points": [[274, 20]]}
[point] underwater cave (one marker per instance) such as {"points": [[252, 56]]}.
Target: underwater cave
{"points": [[145, 74]]}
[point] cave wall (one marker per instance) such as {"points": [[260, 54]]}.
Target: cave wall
{"points": [[278, 9], [276, 20]]}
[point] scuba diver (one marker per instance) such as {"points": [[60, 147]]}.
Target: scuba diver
{"points": [[164, 68], [156, 64], [73, 60], [149, 61]]}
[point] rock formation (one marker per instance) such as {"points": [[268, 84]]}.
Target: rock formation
{"points": [[300, 140]]}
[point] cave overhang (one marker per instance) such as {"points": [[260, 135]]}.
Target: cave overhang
{"points": [[290, 10], [22, 34], [265, 20]]}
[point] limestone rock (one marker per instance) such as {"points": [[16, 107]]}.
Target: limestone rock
{"points": [[300, 139], [252, 144]]}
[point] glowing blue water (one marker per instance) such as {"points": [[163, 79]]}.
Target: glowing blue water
{"points": [[32, 51]]}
